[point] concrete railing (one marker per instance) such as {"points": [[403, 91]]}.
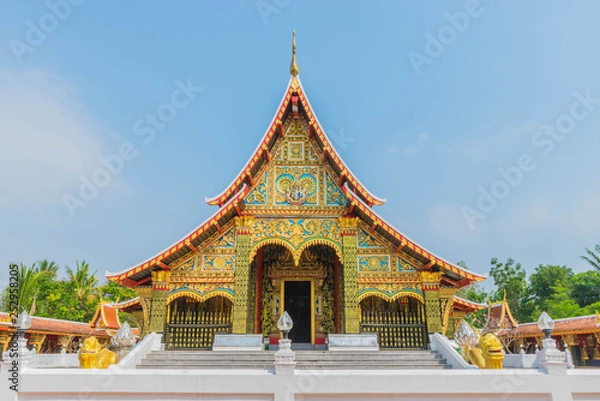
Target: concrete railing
{"points": [[54, 361], [442, 345], [152, 342], [520, 361]]}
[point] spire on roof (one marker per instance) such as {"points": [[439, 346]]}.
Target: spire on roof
{"points": [[294, 70]]}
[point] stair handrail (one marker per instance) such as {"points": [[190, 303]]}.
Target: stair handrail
{"points": [[151, 342], [441, 344]]}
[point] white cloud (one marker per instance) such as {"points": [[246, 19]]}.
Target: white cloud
{"points": [[573, 217], [411, 149], [447, 220], [48, 140], [490, 142]]}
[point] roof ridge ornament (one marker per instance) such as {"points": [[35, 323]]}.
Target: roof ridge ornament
{"points": [[294, 70]]}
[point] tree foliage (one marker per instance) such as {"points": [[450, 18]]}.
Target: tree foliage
{"points": [[543, 283], [552, 288], [76, 297], [592, 257], [510, 280]]}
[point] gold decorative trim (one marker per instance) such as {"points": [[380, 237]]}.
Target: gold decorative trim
{"points": [[296, 252], [379, 294], [199, 298]]}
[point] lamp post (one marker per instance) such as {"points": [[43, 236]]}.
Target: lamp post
{"points": [[546, 324], [22, 355], [549, 357], [285, 324], [285, 357]]}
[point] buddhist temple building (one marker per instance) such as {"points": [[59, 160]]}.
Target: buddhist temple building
{"points": [[296, 230], [50, 336], [581, 335]]}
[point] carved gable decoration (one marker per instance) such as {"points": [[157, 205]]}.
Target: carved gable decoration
{"points": [[374, 263], [184, 266], [333, 194], [217, 262], [404, 265], [224, 241], [367, 241], [296, 176], [258, 195], [296, 185]]}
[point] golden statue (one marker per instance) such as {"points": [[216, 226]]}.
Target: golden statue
{"points": [[93, 356], [485, 352]]}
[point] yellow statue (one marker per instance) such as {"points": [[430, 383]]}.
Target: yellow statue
{"points": [[93, 356], [485, 352]]}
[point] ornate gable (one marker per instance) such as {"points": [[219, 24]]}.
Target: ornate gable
{"points": [[296, 179]]}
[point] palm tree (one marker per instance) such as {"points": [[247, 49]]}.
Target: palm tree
{"points": [[84, 282], [46, 266], [593, 257], [28, 280]]}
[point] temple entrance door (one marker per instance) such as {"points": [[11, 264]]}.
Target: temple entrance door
{"points": [[297, 295]]}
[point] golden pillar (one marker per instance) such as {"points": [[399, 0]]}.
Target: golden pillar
{"points": [[349, 304], [160, 291], [243, 244], [145, 294], [433, 310], [446, 306]]}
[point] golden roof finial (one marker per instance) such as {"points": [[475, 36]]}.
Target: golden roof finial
{"points": [[294, 70]]}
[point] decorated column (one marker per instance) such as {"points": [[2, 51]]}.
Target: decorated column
{"points": [[446, 307], [431, 289], [350, 275], [145, 294], [241, 317], [160, 291]]}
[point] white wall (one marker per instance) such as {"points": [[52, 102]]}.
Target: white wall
{"points": [[447, 385]]}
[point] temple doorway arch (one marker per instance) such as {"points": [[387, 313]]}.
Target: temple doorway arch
{"points": [[307, 288]]}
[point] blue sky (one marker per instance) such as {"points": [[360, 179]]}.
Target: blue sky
{"points": [[429, 139]]}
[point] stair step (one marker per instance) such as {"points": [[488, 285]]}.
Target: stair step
{"points": [[305, 360]]}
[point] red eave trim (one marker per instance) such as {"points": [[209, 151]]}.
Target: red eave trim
{"points": [[468, 304], [405, 242], [157, 260]]}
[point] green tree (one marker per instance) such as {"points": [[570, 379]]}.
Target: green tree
{"points": [[586, 287], [475, 293], [561, 305], [510, 279], [592, 308], [545, 279], [114, 292], [593, 257], [28, 278], [47, 272], [49, 267], [84, 282]]}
